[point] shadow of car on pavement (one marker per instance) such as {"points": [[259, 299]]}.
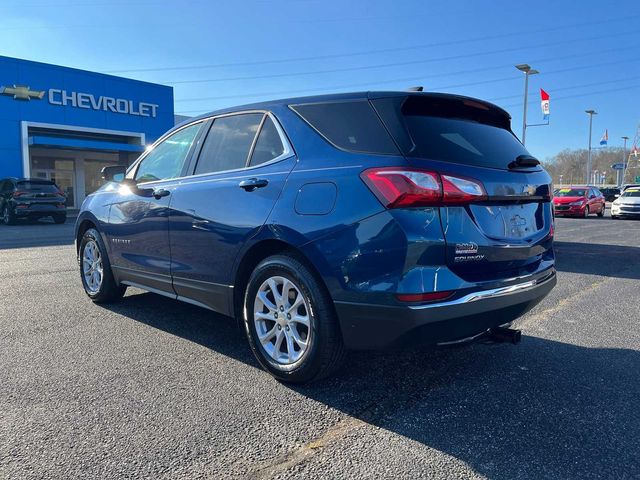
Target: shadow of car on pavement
{"points": [[538, 410]]}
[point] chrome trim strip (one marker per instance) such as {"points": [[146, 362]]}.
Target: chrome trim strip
{"points": [[173, 296], [488, 294], [149, 289]]}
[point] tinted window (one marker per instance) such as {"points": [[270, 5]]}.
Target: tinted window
{"points": [[352, 126], [268, 146], [167, 158], [228, 143], [35, 186], [461, 141]]}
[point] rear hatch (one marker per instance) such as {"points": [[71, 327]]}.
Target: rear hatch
{"points": [[505, 233], [39, 193]]}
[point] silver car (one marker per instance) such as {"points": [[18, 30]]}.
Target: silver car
{"points": [[627, 204]]}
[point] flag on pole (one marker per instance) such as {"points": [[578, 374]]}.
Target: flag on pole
{"points": [[544, 104], [605, 138]]}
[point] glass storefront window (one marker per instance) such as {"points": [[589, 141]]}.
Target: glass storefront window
{"points": [[93, 172]]}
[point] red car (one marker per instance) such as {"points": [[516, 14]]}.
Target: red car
{"points": [[578, 202]]}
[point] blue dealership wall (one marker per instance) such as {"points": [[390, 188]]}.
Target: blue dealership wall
{"points": [[51, 79]]}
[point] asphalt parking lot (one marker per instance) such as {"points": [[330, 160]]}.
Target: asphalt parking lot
{"points": [[153, 388]]}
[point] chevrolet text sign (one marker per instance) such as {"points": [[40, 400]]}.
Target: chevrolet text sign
{"points": [[89, 101]]}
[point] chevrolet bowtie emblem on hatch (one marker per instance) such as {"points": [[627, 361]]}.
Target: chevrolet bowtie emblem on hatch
{"points": [[20, 92]]}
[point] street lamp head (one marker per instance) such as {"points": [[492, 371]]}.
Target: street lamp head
{"points": [[591, 112], [524, 67], [533, 71], [625, 138]]}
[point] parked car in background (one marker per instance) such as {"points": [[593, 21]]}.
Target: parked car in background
{"points": [[610, 193], [627, 205], [578, 202], [31, 198], [630, 185], [351, 221]]}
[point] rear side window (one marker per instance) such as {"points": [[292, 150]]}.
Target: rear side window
{"points": [[46, 187], [353, 126], [269, 145], [228, 143]]}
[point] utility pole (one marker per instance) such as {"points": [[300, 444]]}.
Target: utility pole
{"points": [[624, 160], [591, 114], [527, 71]]}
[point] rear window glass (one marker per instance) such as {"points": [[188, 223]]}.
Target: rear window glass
{"points": [[37, 186], [462, 141], [352, 126]]}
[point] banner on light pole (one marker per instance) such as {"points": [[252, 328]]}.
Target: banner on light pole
{"points": [[544, 104]]}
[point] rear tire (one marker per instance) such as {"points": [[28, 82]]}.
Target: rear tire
{"points": [[601, 212], [95, 270], [7, 217], [59, 219], [303, 321]]}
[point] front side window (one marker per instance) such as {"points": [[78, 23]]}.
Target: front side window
{"points": [[228, 143], [167, 158], [269, 145]]}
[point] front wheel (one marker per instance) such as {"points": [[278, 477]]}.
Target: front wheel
{"points": [[290, 321], [586, 211], [95, 270]]}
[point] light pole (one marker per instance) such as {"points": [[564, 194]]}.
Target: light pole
{"points": [[591, 114], [624, 160], [523, 67]]}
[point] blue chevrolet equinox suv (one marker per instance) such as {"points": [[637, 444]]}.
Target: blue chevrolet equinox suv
{"points": [[352, 221]]}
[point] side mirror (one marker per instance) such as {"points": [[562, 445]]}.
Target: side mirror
{"points": [[592, 196], [114, 173]]}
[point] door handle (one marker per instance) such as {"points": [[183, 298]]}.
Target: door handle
{"points": [[252, 183], [158, 193]]}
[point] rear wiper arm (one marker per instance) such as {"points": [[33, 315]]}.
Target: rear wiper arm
{"points": [[523, 161]]}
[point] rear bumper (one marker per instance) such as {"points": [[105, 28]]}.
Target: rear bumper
{"points": [[39, 211], [366, 326]]}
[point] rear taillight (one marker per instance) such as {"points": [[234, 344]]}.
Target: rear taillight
{"points": [[18, 194], [406, 187]]}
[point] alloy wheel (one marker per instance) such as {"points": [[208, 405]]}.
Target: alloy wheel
{"points": [[92, 268], [282, 321]]}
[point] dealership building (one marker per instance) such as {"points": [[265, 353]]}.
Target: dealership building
{"points": [[65, 124]]}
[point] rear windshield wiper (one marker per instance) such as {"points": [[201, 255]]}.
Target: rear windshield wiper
{"points": [[524, 161]]}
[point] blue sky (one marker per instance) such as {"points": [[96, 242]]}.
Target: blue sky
{"points": [[228, 52]]}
